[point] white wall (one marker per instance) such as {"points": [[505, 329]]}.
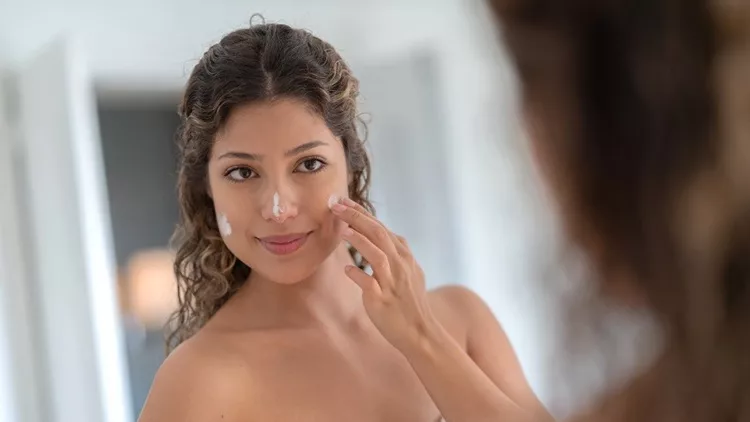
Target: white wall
{"points": [[18, 354], [157, 42], [504, 231], [8, 392], [66, 227]]}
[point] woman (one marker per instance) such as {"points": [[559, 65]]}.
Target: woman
{"points": [[639, 120], [273, 184]]}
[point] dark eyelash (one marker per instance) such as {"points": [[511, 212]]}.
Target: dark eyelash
{"points": [[323, 163], [229, 171]]}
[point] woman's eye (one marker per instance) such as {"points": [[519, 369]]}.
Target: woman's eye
{"points": [[311, 165], [241, 173]]}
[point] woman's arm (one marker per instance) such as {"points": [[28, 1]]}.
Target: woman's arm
{"points": [[486, 344], [395, 299], [457, 385]]}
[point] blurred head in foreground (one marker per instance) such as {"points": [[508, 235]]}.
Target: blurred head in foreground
{"points": [[639, 116]]}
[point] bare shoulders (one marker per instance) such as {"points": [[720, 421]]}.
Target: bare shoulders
{"points": [[455, 301], [456, 296], [200, 381], [456, 308], [460, 309]]}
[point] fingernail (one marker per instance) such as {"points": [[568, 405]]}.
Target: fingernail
{"points": [[348, 232], [333, 200], [338, 208], [349, 202]]}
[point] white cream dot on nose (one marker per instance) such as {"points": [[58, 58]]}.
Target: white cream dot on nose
{"points": [[276, 207]]}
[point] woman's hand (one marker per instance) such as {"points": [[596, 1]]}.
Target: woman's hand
{"points": [[394, 295], [395, 299]]}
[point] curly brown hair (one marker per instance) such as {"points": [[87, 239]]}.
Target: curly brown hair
{"points": [[261, 63], [643, 108]]}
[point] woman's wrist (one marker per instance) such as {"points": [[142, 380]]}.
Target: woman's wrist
{"points": [[428, 339], [456, 384]]}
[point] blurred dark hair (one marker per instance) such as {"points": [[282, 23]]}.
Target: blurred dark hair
{"points": [[640, 114], [264, 62]]}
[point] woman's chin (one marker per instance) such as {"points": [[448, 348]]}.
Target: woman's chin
{"points": [[287, 273]]}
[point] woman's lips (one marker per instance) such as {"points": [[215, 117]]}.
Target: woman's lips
{"points": [[285, 244]]}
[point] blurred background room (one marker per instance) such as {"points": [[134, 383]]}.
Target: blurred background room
{"points": [[88, 170]]}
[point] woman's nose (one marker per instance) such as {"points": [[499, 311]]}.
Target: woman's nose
{"points": [[279, 204]]}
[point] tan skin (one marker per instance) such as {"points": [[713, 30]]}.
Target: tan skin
{"points": [[312, 338]]}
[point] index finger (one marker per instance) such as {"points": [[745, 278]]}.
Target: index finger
{"points": [[400, 243], [367, 225]]}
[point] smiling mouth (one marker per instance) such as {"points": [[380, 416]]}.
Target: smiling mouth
{"points": [[284, 245]]}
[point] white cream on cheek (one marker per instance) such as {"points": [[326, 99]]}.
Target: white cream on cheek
{"points": [[225, 229], [333, 200]]}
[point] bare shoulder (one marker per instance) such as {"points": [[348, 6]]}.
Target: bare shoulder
{"points": [[485, 342], [455, 294], [199, 381], [459, 305], [459, 309], [458, 302]]}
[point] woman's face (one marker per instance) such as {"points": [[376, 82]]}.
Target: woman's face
{"points": [[273, 168]]}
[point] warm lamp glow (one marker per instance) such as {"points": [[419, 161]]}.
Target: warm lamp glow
{"points": [[151, 287]]}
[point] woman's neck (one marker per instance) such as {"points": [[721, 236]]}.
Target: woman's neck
{"points": [[327, 297]]}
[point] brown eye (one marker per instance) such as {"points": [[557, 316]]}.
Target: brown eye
{"points": [[241, 173], [311, 165]]}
